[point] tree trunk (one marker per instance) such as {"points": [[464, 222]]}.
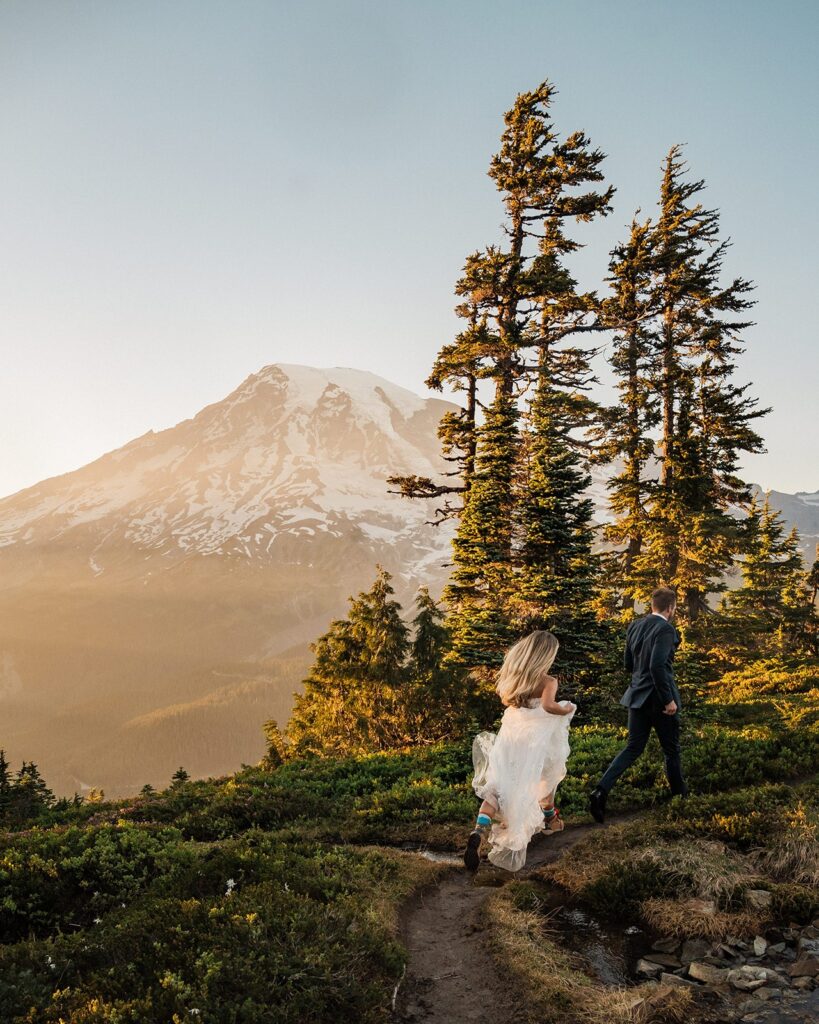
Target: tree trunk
{"points": [[472, 448], [667, 473]]}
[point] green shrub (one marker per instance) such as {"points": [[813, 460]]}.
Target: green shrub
{"points": [[65, 878], [253, 930]]}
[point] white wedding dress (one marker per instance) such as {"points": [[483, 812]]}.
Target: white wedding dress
{"points": [[515, 770]]}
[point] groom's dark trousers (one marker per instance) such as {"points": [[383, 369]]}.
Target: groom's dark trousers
{"points": [[650, 645]]}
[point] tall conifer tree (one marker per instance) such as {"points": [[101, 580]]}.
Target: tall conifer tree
{"points": [[690, 535], [522, 305], [429, 642], [558, 570], [29, 795]]}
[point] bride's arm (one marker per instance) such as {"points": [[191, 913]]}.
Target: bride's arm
{"points": [[547, 699]]}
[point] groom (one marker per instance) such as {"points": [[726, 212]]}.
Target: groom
{"points": [[652, 698]]}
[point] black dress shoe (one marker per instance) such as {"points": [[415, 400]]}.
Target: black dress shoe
{"points": [[472, 855], [597, 804]]}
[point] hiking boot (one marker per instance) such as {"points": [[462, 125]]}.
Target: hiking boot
{"points": [[597, 804], [472, 853]]}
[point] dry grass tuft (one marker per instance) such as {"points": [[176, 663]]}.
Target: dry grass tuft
{"points": [[704, 868], [556, 988], [685, 920], [794, 855], [414, 875], [647, 1004], [589, 859], [608, 869], [549, 976]]}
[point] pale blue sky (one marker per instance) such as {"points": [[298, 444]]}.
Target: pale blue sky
{"points": [[192, 189]]}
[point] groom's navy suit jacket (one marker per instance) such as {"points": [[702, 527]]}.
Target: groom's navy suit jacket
{"points": [[650, 645]]}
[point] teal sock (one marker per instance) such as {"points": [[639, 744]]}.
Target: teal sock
{"points": [[484, 821], [549, 812]]}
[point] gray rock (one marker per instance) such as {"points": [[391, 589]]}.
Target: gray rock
{"points": [[663, 959], [714, 961], [760, 945], [649, 969], [777, 947], [759, 899], [676, 980], [693, 949], [768, 994], [747, 978], [707, 973], [805, 967], [666, 945]]}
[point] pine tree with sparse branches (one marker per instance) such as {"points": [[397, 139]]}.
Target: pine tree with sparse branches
{"points": [[690, 535], [523, 311]]}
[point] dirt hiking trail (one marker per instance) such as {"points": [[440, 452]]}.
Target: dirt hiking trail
{"points": [[451, 977]]}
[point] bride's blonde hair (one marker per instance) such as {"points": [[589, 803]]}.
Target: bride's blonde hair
{"points": [[521, 674]]}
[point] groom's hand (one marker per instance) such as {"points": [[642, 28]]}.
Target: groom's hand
{"points": [[670, 708]]}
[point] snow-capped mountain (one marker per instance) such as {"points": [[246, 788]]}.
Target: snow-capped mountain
{"points": [[293, 453]]}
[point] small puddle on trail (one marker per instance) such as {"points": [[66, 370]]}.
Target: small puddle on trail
{"points": [[437, 856], [442, 858], [610, 950]]}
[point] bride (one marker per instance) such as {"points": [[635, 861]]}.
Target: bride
{"points": [[518, 770]]}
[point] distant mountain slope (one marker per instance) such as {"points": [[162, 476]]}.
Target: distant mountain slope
{"points": [[231, 537], [802, 511]]}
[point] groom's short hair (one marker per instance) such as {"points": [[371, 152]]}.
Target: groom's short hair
{"points": [[663, 599]]}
